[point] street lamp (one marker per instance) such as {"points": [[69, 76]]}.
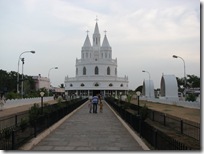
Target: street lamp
{"points": [[23, 60], [148, 82], [42, 94], [18, 67], [49, 78], [174, 56], [138, 101]]}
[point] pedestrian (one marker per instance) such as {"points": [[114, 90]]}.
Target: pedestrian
{"points": [[101, 106], [95, 103], [90, 104], [2, 101]]}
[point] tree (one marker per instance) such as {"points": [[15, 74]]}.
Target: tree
{"points": [[193, 81], [139, 88]]}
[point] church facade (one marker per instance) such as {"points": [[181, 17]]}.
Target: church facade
{"points": [[96, 71]]}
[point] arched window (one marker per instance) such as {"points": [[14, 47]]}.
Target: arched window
{"points": [[84, 71], [96, 70], [108, 70]]}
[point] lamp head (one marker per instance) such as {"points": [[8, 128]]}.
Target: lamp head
{"points": [[143, 70], [138, 93], [174, 56], [42, 93], [56, 67], [32, 51]]}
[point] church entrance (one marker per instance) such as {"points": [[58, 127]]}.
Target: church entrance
{"points": [[95, 92]]}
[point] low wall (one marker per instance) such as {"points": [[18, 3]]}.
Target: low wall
{"points": [[188, 104], [19, 102]]}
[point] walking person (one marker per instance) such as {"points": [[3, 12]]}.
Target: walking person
{"points": [[90, 105], [101, 106], [95, 103]]}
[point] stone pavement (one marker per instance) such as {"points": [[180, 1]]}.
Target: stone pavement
{"points": [[84, 131]]}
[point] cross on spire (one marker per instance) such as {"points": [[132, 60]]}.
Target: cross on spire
{"points": [[96, 19], [105, 32]]}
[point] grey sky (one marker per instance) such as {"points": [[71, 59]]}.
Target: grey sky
{"points": [[143, 35]]}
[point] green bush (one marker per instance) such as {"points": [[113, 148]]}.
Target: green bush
{"points": [[12, 95], [24, 124], [144, 112], [191, 97], [34, 113]]}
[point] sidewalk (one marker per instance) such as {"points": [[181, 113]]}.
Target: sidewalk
{"points": [[86, 131]]}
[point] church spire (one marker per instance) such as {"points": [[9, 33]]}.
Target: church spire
{"points": [[96, 35], [105, 41], [87, 42]]}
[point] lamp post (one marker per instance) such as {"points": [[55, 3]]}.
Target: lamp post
{"points": [[174, 56], [18, 68], [49, 78], [148, 82], [23, 60], [42, 94], [138, 101]]}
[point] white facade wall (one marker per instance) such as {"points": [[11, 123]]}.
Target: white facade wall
{"points": [[93, 56]]}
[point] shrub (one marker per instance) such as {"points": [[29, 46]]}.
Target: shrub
{"points": [[24, 124], [34, 113], [191, 97], [144, 112]]}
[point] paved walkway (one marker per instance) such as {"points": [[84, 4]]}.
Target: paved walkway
{"points": [[87, 131]]}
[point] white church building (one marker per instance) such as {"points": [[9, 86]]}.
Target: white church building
{"points": [[96, 71]]}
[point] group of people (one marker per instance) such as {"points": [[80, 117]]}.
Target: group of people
{"points": [[94, 102]]}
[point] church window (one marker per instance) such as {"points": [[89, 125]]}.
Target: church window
{"points": [[110, 84], [90, 55], [96, 84], [101, 55], [83, 55], [115, 71], [109, 55], [105, 55], [84, 71], [121, 85], [82, 84], [86, 55], [108, 70], [96, 70], [96, 41]]}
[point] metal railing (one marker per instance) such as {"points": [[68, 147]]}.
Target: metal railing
{"points": [[158, 139], [16, 135]]}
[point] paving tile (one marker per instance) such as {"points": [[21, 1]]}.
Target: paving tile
{"points": [[85, 131]]}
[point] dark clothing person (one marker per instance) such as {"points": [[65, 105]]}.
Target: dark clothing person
{"points": [[95, 103]]}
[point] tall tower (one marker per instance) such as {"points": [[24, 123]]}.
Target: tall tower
{"points": [[96, 42]]}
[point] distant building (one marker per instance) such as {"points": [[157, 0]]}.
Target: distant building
{"points": [[148, 89], [96, 71], [41, 82]]}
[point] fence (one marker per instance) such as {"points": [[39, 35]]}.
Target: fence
{"points": [[18, 102], [13, 137], [13, 120], [182, 126], [188, 104], [156, 138]]}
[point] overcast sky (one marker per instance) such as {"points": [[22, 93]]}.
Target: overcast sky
{"points": [[143, 35]]}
